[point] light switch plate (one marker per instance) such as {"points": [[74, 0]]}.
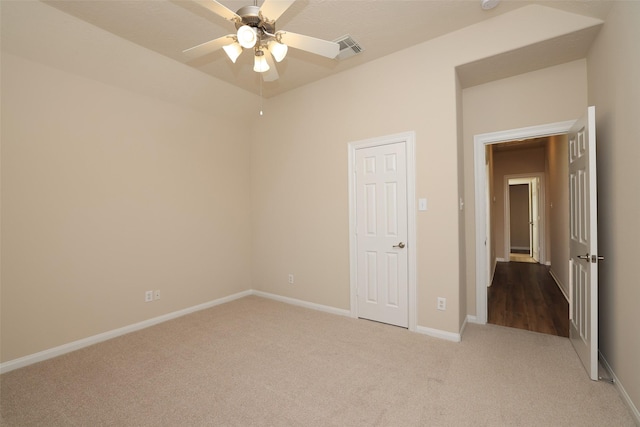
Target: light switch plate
{"points": [[422, 204]]}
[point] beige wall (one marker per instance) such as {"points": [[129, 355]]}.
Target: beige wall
{"points": [[107, 194], [462, 235], [613, 70], [558, 209], [550, 95], [81, 49], [299, 160]]}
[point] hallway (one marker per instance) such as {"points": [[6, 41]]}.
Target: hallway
{"points": [[525, 296]]}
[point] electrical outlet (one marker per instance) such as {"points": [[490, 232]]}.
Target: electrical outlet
{"points": [[148, 296], [291, 279], [156, 295], [442, 303]]}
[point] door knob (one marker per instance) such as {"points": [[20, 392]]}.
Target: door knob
{"points": [[593, 258], [399, 245]]}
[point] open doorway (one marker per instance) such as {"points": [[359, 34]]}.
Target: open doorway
{"points": [[524, 212], [522, 296], [492, 247]]}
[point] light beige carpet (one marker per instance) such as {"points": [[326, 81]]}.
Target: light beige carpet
{"points": [[259, 362]]}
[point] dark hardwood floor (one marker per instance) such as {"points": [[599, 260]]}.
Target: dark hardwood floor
{"points": [[525, 296]]}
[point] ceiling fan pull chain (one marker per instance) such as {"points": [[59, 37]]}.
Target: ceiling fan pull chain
{"points": [[261, 98]]}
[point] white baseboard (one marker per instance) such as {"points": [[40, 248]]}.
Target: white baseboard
{"points": [[493, 272], [85, 342], [620, 388], [95, 339], [559, 283], [501, 260], [473, 319], [301, 303], [437, 333], [464, 325]]}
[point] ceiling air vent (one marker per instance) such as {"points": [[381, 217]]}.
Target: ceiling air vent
{"points": [[348, 47]]}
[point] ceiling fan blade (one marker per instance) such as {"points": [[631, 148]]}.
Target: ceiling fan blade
{"points": [[273, 9], [220, 10], [208, 47], [272, 73], [310, 44]]}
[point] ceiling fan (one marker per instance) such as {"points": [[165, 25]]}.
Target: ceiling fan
{"points": [[256, 30]]}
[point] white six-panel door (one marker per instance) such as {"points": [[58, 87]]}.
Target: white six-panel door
{"points": [[583, 246], [381, 233], [534, 188]]}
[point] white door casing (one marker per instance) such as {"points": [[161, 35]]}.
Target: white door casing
{"points": [[382, 230], [537, 237], [587, 308], [482, 198], [583, 245]]}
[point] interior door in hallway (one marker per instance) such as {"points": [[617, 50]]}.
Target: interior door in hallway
{"points": [[381, 215], [534, 196], [583, 245]]}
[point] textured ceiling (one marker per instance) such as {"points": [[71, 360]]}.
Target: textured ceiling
{"points": [[379, 26]]}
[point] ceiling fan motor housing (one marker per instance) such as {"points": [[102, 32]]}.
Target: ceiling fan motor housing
{"points": [[251, 16]]}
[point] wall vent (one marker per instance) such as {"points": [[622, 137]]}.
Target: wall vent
{"points": [[348, 47]]}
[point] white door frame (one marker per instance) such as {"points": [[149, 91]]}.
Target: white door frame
{"points": [[480, 142], [409, 139], [507, 214]]}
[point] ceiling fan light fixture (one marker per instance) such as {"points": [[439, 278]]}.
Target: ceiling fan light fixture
{"points": [[260, 62], [256, 29], [233, 51], [278, 50], [247, 36]]}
